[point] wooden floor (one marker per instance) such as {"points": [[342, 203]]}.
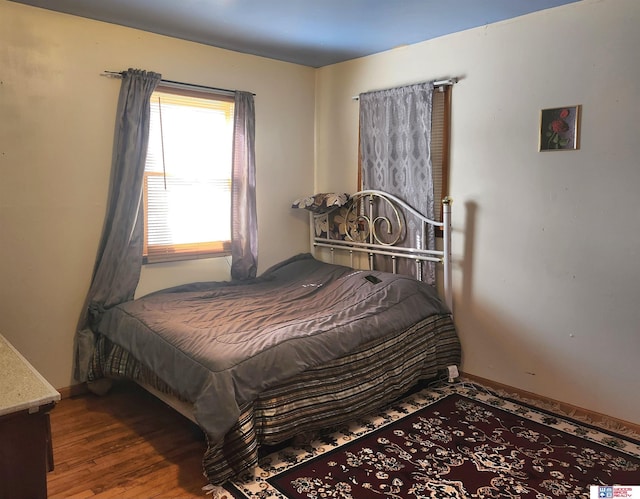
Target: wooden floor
{"points": [[127, 444]]}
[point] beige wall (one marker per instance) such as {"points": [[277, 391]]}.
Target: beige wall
{"points": [[56, 134], [547, 279]]}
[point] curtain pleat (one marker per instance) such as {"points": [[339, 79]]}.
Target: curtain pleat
{"points": [[395, 149], [119, 258], [244, 226]]}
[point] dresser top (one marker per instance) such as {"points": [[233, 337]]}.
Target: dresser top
{"points": [[21, 386]]}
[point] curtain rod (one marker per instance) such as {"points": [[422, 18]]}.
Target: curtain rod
{"points": [[437, 83], [118, 74]]}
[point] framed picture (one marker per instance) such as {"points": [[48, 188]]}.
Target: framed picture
{"points": [[559, 129]]}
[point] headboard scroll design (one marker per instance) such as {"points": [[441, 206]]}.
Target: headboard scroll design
{"points": [[382, 224]]}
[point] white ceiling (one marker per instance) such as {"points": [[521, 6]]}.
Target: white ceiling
{"points": [[309, 32]]}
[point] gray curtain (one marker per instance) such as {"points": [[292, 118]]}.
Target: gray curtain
{"points": [[395, 149], [119, 259], [244, 226]]}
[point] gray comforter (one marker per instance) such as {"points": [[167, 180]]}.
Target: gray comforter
{"points": [[220, 344]]}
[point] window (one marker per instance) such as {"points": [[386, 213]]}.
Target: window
{"points": [[440, 128], [187, 178]]}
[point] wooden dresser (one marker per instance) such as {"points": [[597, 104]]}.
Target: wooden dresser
{"points": [[26, 453]]}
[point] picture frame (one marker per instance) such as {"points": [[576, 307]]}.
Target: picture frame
{"points": [[559, 129]]}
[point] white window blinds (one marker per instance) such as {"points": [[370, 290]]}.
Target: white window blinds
{"points": [[187, 188]]}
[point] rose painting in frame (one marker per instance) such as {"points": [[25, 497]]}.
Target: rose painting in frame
{"points": [[559, 129]]}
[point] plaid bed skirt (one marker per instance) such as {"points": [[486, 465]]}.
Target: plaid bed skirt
{"points": [[337, 392]]}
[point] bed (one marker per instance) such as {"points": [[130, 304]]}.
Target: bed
{"points": [[306, 345]]}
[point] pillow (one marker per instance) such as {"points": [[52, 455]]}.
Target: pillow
{"points": [[322, 203]]}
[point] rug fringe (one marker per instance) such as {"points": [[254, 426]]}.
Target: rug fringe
{"points": [[216, 492]]}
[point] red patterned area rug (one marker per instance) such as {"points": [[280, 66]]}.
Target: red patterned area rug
{"points": [[451, 442]]}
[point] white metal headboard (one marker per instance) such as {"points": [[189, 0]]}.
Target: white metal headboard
{"points": [[368, 213]]}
